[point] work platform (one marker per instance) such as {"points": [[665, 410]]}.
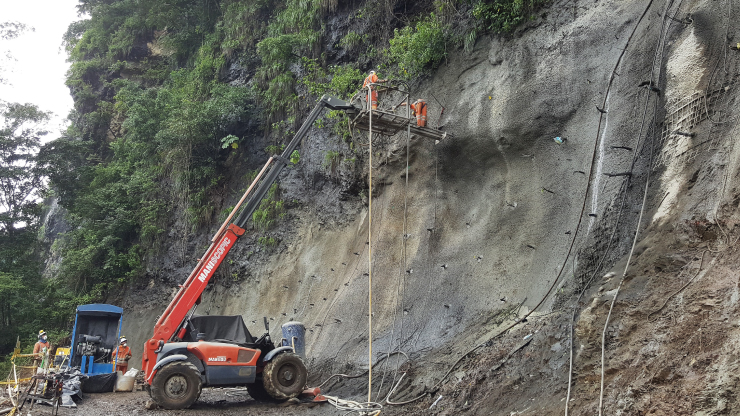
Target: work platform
{"points": [[389, 124]]}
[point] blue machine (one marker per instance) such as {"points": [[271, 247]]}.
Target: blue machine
{"points": [[94, 337]]}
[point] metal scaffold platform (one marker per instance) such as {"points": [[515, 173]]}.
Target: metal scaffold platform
{"points": [[389, 124]]}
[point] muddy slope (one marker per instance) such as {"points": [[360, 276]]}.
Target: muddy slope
{"points": [[490, 215]]}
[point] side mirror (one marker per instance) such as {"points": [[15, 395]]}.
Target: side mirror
{"points": [[267, 324]]}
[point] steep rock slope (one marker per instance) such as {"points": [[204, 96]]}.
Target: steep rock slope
{"points": [[481, 231]]}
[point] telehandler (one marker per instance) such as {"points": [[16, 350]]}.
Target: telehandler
{"points": [[188, 352]]}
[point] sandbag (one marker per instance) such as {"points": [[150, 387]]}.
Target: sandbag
{"points": [[124, 383]]}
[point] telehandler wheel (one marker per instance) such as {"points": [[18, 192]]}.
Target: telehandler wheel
{"points": [[177, 385], [285, 376], [257, 391]]}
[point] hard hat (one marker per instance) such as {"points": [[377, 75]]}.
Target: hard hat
{"points": [[42, 332], [123, 339], [372, 71]]}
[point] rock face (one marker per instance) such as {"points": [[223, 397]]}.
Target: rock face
{"points": [[53, 225], [483, 227]]}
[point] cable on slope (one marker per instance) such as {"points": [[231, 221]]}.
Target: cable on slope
{"points": [[403, 262], [624, 190], [370, 250], [668, 299], [626, 182], [661, 41]]}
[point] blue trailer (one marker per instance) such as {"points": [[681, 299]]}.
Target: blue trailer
{"points": [[94, 337]]}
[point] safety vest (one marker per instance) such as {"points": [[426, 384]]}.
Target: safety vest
{"points": [[121, 353], [420, 109], [371, 79], [372, 98]]}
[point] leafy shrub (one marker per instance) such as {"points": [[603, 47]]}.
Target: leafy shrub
{"points": [[295, 31], [243, 24], [271, 208], [353, 40], [274, 149], [345, 80], [341, 125], [230, 141], [417, 49], [341, 80], [266, 241], [504, 15], [331, 160]]}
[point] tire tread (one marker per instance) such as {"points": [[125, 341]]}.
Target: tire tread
{"points": [[269, 376], [157, 388]]}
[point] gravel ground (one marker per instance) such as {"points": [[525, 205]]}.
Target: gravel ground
{"points": [[211, 402]]}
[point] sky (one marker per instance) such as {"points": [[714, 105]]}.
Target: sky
{"points": [[36, 73]]}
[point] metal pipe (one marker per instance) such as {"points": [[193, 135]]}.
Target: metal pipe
{"points": [[370, 250]]}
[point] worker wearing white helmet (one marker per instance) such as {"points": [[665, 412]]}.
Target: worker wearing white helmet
{"points": [[372, 97], [419, 108], [122, 354]]}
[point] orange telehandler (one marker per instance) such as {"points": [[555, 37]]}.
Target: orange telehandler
{"points": [[188, 352]]}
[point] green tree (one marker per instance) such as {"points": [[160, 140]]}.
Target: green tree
{"points": [[24, 300], [21, 129], [9, 30], [20, 278]]}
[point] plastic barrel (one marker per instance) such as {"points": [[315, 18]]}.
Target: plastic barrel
{"points": [[294, 335]]}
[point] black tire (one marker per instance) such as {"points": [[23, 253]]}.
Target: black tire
{"points": [[284, 377], [258, 392], [177, 385]]}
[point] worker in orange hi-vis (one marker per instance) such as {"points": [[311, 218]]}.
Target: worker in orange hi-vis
{"points": [[419, 107], [122, 353], [372, 98]]}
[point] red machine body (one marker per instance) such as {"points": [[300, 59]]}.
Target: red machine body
{"points": [[187, 297]]}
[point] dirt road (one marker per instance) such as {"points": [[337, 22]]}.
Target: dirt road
{"points": [[212, 402]]}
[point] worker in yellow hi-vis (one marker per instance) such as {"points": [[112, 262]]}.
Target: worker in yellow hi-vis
{"points": [[372, 97]]}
